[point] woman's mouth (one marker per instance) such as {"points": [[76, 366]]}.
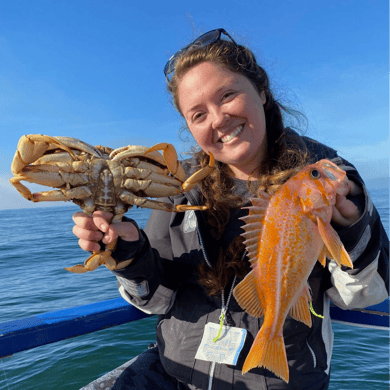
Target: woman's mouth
{"points": [[232, 135]]}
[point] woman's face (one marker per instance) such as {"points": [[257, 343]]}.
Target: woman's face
{"points": [[225, 114]]}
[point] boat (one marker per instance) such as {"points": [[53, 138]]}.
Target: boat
{"points": [[41, 329]]}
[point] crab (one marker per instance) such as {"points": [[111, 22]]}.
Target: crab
{"points": [[101, 178]]}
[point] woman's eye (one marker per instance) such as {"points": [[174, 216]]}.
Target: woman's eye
{"points": [[197, 116], [227, 95]]}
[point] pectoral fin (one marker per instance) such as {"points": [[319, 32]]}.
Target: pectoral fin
{"points": [[322, 256], [334, 246]]}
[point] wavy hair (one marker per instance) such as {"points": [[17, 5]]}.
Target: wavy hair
{"points": [[286, 154]]}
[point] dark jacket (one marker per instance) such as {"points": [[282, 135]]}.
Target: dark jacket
{"points": [[162, 280]]}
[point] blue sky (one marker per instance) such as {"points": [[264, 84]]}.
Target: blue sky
{"points": [[93, 70]]}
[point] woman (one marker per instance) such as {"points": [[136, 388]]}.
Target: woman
{"points": [[184, 266]]}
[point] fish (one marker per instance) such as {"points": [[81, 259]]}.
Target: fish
{"points": [[285, 235]]}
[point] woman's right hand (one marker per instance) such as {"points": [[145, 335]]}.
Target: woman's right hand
{"points": [[91, 230]]}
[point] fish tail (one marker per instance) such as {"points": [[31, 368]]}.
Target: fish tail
{"points": [[270, 354]]}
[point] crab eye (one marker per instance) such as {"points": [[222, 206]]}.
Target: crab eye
{"points": [[315, 174]]}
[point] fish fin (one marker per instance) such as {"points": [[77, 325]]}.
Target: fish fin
{"points": [[306, 203], [256, 212], [334, 246], [322, 256], [301, 311], [268, 353], [253, 225], [247, 296]]}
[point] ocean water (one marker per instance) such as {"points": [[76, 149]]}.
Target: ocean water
{"points": [[36, 244]]}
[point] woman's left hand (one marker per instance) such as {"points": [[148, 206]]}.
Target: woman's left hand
{"points": [[345, 212]]}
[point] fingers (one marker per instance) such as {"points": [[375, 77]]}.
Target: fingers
{"points": [[354, 189], [349, 188], [91, 230], [89, 246], [125, 230], [102, 220], [345, 212], [87, 229]]}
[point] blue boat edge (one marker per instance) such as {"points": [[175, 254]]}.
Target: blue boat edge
{"points": [[31, 332]]}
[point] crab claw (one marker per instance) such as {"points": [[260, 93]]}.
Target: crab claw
{"points": [[171, 159], [33, 146], [97, 259], [29, 149], [193, 180], [93, 262]]}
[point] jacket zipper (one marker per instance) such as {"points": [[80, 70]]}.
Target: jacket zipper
{"points": [[312, 354], [192, 200]]}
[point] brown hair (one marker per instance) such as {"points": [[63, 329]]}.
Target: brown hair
{"points": [[286, 154]]}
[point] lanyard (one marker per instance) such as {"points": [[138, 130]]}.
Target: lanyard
{"points": [[224, 308]]}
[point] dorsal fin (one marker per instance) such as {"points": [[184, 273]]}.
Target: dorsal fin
{"points": [[253, 225]]}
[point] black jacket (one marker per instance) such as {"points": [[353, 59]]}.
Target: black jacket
{"points": [[162, 280]]}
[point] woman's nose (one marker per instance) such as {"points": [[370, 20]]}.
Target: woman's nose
{"points": [[219, 118]]}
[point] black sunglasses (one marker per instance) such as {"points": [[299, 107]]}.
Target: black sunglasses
{"points": [[204, 40]]}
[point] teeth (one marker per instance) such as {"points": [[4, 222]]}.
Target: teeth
{"points": [[232, 135]]}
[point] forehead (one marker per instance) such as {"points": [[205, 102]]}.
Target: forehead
{"points": [[208, 71]]}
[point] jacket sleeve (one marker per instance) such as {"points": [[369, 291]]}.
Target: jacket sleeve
{"points": [[142, 282], [366, 242]]}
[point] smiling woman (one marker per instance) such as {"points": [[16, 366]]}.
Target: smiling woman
{"points": [[186, 265], [225, 114]]}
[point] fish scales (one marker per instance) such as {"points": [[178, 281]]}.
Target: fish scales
{"points": [[293, 231]]}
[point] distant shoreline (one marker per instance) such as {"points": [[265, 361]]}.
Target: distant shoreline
{"points": [[11, 201]]}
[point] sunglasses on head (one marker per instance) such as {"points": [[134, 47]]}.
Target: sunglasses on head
{"points": [[204, 40]]}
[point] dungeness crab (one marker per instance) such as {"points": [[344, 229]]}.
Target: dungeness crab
{"points": [[101, 178]]}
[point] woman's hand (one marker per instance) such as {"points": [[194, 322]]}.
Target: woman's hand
{"points": [[345, 212], [91, 230]]}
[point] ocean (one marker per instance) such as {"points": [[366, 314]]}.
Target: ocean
{"points": [[36, 245]]}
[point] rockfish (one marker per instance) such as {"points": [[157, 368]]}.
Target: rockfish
{"points": [[285, 234]]}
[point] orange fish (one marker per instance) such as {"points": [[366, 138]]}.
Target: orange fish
{"points": [[285, 234]]}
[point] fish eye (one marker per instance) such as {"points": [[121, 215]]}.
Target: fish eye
{"points": [[315, 174]]}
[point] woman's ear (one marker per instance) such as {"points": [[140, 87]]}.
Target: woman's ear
{"points": [[263, 98]]}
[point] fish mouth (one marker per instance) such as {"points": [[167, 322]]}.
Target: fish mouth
{"points": [[329, 174], [335, 174], [233, 134]]}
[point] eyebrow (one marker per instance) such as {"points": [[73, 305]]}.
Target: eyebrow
{"points": [[217, 91]]}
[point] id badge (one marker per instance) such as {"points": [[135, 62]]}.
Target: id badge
{"points": [[226, 349]]}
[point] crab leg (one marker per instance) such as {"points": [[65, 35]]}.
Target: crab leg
{"points": [[58, 158], [52, 176], [80, 145], [130, 198], [139, 173], [62, 195], [135, 151], [22, 189]]}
